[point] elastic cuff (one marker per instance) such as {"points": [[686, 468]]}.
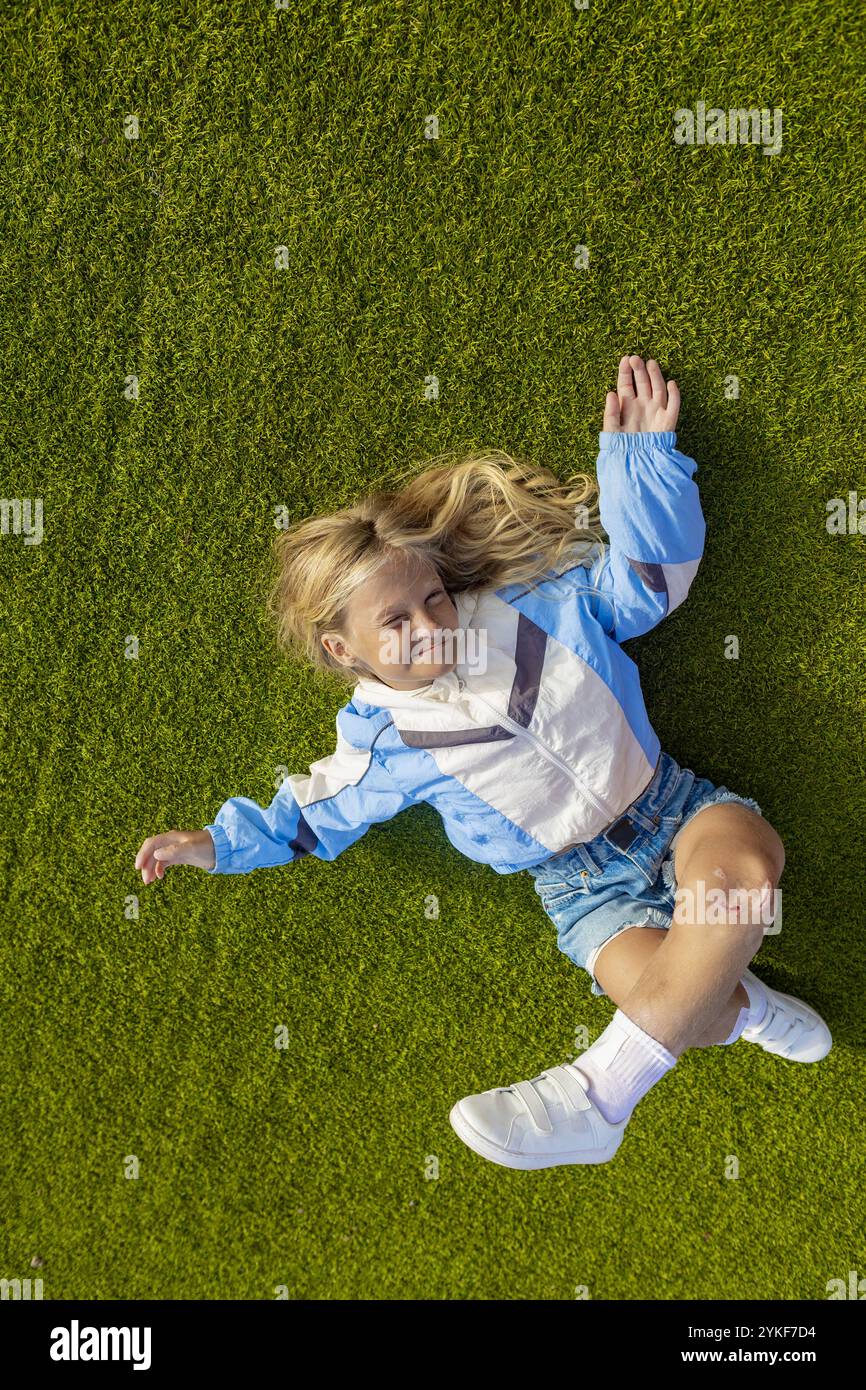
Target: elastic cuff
{"points": [[222, 848], [625, 439]]}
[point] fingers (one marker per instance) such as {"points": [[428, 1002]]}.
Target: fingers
{"points": [[635, 382], [145, 851], [673, 404], [624, 380], [646, 402], [155, 855], [657, 383], [151, 869], [611, 412], [643, 389]]}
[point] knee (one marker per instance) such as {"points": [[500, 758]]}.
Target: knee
{"points": [[739, 884], [742, 864], [751, 868], [744, 853]]}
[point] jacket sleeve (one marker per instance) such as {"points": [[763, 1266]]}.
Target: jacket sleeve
{"points": [[321, 813], [650, 508]]}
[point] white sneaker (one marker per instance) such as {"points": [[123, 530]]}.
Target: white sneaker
{"points": [[790, 1028], [537, 1123]]}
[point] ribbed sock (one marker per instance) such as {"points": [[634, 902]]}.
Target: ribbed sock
{"points": [[621, 1066]]}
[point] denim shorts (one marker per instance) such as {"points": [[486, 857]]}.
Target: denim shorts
{"points": [[625, 876]]}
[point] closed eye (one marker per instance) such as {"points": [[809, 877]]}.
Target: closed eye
{"points": [[399, 617]]}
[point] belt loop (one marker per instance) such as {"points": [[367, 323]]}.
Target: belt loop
{"points": [[586, 858]]}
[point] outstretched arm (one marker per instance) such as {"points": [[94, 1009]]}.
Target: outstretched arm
{"points": [[321, 812], [649, 504]]}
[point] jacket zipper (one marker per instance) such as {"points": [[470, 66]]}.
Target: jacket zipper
{"points": [[547, 752]]}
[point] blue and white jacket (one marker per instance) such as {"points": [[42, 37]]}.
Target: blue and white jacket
{"points": [[549, 745]]}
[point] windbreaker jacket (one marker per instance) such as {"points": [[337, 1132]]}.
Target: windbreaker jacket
{"points": [[547, 746]]}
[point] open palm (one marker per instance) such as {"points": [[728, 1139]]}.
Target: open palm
{"points": [[641, 400]]}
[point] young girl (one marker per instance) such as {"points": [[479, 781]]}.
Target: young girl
{"points": [[480, 629]]}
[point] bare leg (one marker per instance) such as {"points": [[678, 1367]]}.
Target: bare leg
{"points": [[688, 988], [623, 960]]}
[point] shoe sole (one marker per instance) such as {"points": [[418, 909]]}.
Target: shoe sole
{"points": [[473, 1140], [825, 1043]]}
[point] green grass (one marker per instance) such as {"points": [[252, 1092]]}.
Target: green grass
{"points": [[259, 387]]}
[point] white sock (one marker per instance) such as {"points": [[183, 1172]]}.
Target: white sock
{"points": [[758, 1002], [742, 1019], [621, 1066]]}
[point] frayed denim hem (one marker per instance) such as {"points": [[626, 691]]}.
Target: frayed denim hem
{"points": [[653, 917], [717, 797]]}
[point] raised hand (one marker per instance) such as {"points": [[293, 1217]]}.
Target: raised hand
{"points": [[641, 400]]}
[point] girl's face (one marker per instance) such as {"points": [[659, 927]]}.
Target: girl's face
{"points": [[401, 624]]}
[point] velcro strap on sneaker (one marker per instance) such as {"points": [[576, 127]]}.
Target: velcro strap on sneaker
{"points": [[535, 1105], [572, 1087]]}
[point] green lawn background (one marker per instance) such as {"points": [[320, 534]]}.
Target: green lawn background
{"points": [[302, 387]]}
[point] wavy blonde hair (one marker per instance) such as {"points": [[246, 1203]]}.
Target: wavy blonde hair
{"points": [[484, 521]]}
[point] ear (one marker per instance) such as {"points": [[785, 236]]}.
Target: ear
{"points": [[336, 647]]}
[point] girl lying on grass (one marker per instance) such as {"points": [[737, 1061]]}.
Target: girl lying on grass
{"points": [[533, 743]]}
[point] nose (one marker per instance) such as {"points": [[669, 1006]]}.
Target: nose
{"points": [[424, 619], [426, 632]]}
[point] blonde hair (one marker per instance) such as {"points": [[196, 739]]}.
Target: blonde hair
{"points": [[485, 521]]}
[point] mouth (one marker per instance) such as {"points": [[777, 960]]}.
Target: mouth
{"points": [[437, 649], [423, 653], [433, 652]]}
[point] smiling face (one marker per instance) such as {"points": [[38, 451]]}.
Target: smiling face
{"points": [[397, 624]]}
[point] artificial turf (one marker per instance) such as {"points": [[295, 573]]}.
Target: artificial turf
{"points": [[305, 1167]]}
